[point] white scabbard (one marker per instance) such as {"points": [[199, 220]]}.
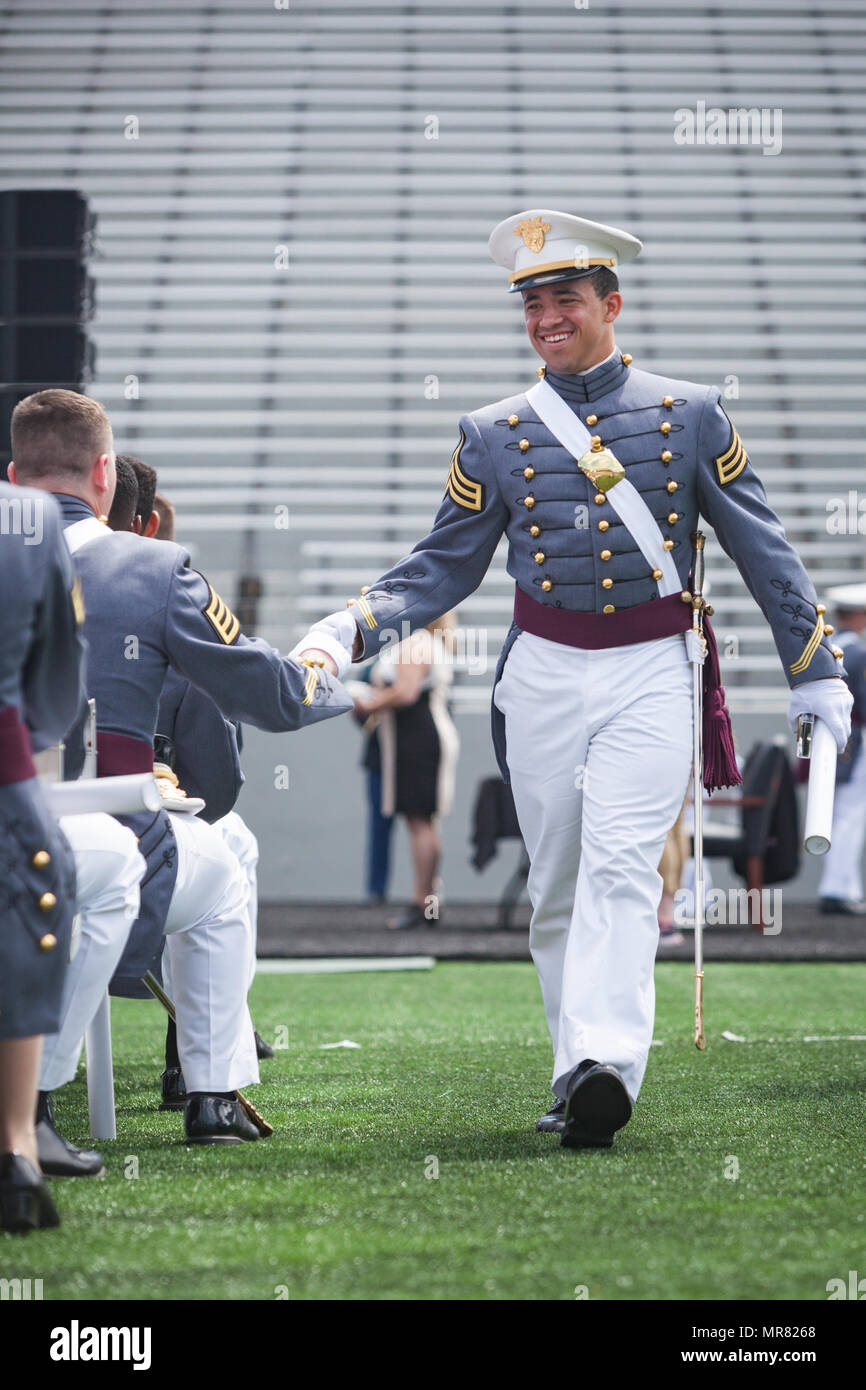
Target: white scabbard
{"points": [[822, 790]]}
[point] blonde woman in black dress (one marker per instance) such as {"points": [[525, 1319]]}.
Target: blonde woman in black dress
{"points": [[415, 745]]}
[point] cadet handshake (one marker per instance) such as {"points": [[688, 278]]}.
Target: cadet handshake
{"points": [[333, 642]]}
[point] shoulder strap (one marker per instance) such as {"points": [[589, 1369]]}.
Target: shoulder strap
{"points": [[625, 499], [81, 532]]}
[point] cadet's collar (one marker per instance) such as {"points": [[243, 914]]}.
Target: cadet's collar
{"points": [[581, 387], [73, 508]]}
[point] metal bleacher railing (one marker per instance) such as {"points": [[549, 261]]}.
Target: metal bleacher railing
{"points": [[294, 300]]}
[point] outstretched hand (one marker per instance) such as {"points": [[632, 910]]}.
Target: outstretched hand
{"points": [[331, 642], [319, 658]]}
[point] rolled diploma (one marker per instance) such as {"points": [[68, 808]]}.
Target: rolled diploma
{"points": [[822, 788], [117, 796]]}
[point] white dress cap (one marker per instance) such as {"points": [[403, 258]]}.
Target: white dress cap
{"points": [[541, 246], [851, 597]]}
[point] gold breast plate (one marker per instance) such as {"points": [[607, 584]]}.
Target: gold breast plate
{"points": [[602, 467]]}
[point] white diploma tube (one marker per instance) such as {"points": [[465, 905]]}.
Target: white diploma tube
{"points": [[822, 789], [118, 796]]}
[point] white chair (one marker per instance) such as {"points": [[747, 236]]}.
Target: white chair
{"points": [[116, 796]]}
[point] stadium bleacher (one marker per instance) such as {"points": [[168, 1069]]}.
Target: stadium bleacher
{"points": [[294, 300]]}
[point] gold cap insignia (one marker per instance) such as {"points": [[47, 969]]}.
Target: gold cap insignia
{"points": [[532, 231]]}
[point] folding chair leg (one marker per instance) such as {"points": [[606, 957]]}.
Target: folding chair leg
{"points": [[100, 1074], [755, 879]]}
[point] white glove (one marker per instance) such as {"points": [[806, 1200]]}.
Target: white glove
{"points": [[335, 635], [829, 699]]}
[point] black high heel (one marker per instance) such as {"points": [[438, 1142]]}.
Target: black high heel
{"points": [[25, 1202]]}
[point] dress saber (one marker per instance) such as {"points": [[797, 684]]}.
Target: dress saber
{"points": [[156, 989], [698, 778]]}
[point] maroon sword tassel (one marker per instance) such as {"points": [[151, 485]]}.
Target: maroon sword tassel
{"points": [[720, 761]]}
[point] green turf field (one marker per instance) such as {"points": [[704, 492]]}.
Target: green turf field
{"points": [[453, 1071]]}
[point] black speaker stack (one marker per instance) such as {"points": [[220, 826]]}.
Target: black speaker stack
{"points": [[46, 296]]}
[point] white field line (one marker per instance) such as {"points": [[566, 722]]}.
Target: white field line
{"points": [[343, 965]]}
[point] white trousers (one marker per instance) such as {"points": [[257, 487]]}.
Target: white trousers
{"points": [[599, 751], [108, 870], [842, 875], [206, 964], [244, 845]]}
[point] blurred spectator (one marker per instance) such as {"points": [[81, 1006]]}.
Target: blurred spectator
{"points": [[379, 827], [841, 887], [413, 750], [671, 865]]}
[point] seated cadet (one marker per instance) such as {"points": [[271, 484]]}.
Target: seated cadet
{"points": [[163, 509], [147, 523], [148, 610], [199, 750], [41, 659], [216, 778]]}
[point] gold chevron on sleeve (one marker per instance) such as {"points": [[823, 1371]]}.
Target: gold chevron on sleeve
{"points": [[731, 463], [462, 489], [310, 683], [798, 666], [365, 610], [221, 618]]}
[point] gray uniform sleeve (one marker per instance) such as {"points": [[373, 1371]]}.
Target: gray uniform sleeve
{"points": [[53, 677], [247, 679], [732, 498], [445, 567], [206, 757]]}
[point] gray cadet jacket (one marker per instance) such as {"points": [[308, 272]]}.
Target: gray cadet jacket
{"points": [[148, 610], [567, 548]]}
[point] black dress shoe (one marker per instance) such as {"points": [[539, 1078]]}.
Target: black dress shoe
{"points": [[216, 1119], [57, 1157], [412, 916], [843, 907], [263, 1049], [25, 1202], [596, 1106], [554, 1121], [173, 1089]]}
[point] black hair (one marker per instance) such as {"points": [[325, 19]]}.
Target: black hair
{"points": [[125, 504], [603, 281], [146, 477]]}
